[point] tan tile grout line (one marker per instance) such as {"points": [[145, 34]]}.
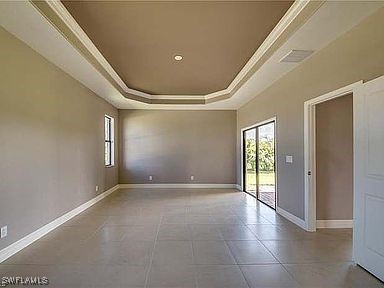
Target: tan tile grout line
{"points": [[237, 264], [152, 255], [193, 260]]}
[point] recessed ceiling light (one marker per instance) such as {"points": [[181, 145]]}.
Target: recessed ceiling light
{"points": [[178, 57]]}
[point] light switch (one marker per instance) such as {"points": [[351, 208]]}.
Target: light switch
{"points": [[289, 159], [4, 232]]}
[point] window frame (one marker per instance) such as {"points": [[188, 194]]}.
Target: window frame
{"points": [[110, 141]]}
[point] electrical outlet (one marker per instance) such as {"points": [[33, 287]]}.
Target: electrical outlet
{"points": [[97, 188], [150, 177], [192, 177], [4, 231]]}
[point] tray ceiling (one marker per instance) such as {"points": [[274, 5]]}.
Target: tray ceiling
{"points": [[50, 30], [140, 40]]}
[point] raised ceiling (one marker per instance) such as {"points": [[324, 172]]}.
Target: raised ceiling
{"points": [[140, 40], [50, 30]]}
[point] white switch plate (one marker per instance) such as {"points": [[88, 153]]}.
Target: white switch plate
{"points": [[150, 178], [97, 188], [4, 231], [192, 177], [288, 159]]}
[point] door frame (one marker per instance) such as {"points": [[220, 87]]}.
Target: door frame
{"points": [[242, 162], [310, 150]]}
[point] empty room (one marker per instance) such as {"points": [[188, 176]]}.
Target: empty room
{"points": [[191, 144]]}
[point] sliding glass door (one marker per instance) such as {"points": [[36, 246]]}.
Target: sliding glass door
{"points": [[250, 161], [266, 186], [259, 163]]}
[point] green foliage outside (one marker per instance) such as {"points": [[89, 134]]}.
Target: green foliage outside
{"points": [[266, 155]]}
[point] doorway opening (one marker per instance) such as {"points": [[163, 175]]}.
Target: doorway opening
{"points": [[310, 164], [259, 162], [334, 163]]}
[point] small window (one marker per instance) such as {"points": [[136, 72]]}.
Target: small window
{"points": [[109, 141]]}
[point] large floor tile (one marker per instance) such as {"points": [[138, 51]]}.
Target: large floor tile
{"points": [[188, 238], [221, 276], [274, 232], [90, 252], [147, 220], [93, 221], [272, 276], [320, 275], [199, 219], [172, 276], [110, 234], [98, 276], [226, 218], [42, 253], [124, 220], [179, 232], [236, 232], [333, 234], [205, 232], [275, 218], [137, 253], [212, 252], [310, 251], [174, 218], [250, 252], [65, 234], [145, 232], [173, 253], [254, 219]]}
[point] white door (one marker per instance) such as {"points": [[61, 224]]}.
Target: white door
{"points": [[369, 176]]}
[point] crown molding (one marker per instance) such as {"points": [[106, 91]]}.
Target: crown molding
{"points": [[317, 25], [277, 31], [177, 97], [293, 12], [71, 23]]}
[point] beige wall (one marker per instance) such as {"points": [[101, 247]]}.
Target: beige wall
{"points": [[357, 55], [334, 159], [51, 141], [51, 131], [173, 145]]}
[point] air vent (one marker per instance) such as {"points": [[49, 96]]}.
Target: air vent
{"points": [[296, 56]]}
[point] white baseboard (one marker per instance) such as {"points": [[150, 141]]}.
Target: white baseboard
{"points": [[238, 187], [294, 219], [180, 186], [32, 237], [334, 223]]}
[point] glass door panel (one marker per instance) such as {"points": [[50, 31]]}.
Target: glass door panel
{"points": [[266, 179], [250, 161]]}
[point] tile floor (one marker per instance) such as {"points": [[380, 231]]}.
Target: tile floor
{"points": [[188, 238]]}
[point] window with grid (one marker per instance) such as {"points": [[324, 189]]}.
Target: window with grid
{"points": [[109, 141]]}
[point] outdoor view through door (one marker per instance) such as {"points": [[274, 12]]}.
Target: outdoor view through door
{"points": [[259, 163]]}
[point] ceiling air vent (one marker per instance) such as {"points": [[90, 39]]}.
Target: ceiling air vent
{"points": [[296, 56]]}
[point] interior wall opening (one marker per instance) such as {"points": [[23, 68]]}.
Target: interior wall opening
{"points": [[334, 163]]}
